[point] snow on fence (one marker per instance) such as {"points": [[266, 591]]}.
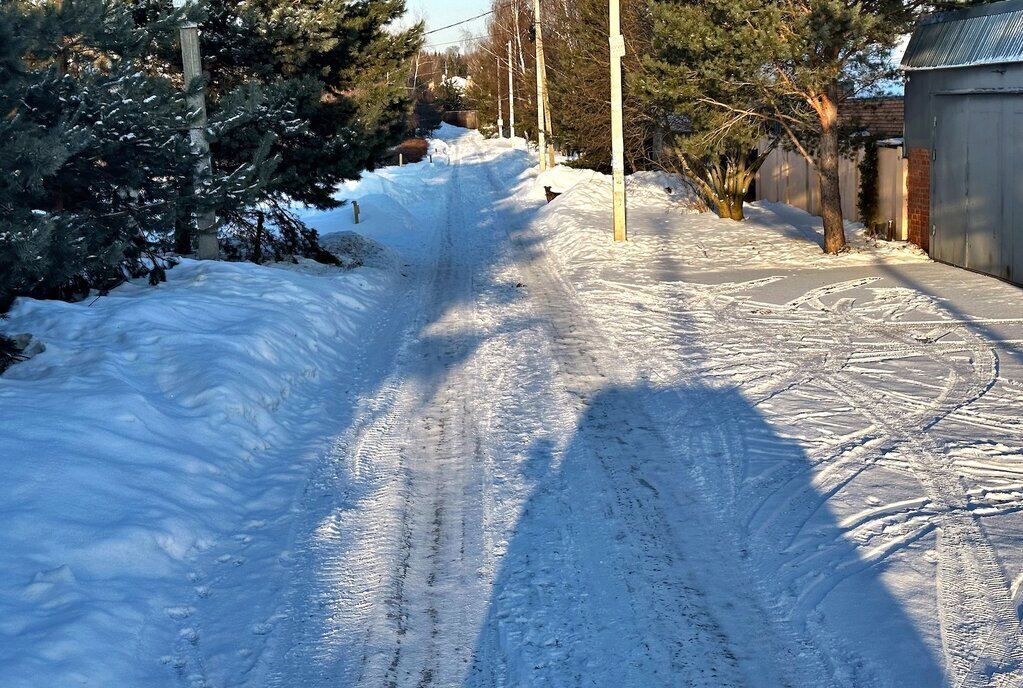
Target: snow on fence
{"points": [[787, 178]]}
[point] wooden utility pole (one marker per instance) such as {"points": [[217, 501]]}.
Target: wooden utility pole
{"points": [[541, 124], [541, 63], [511, 91], [206, 220], [617, 127], [500, 112]]}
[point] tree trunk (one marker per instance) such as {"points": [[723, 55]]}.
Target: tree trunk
{"points": [[183, 223], [183, 234], [827, 173], [257, 248]]}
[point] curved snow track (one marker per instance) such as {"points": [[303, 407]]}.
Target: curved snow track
{"points": [[648, 485]]}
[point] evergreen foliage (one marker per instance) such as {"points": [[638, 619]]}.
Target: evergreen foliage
{"points": [[10, 353], [91, 154], [790, 64], [716, 148], [326, 88], [96, 168], [868, 195]]}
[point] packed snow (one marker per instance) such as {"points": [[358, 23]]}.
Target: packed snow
{"points": [[500, 450]]}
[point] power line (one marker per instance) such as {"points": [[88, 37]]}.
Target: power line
{"points": [[466, 21], [461, 40]]}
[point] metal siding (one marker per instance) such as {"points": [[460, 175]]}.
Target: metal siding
{"points": [[949, 181], [965, 41], [1012, 237], [984, 190], [977, 183]]}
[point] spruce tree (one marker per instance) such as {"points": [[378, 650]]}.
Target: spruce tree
{"points": [[91, 152]]}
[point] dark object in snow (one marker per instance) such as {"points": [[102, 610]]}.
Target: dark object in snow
{"points": [[412, 150], [519, 285], [16, 349], [882, 230], [551, 195], [10, 353]]}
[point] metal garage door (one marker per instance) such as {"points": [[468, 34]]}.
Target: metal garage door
{"points": [[977, 182]]}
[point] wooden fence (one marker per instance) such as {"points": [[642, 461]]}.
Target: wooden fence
{"points": [[468, 119], [786, 177]]}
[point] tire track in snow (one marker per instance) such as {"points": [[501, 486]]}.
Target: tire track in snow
{"points": [[660, 555], [979, 626]]}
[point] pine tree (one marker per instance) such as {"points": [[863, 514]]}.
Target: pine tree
{"points": [[323, 85], [718, 149], [791, 64]]}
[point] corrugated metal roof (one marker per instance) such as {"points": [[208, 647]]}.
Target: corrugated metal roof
{"points": [[988, 34]]}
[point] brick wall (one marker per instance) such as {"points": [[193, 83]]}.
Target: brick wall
{"points": [[879, 116], [919, 201]]}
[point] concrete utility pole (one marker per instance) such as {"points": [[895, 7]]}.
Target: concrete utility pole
{"points": [[206, 220], [617, 127], [511, 91], [500, 113], [541, 126]]}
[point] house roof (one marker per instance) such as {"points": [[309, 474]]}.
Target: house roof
{"points": [[882, 116], [986, 34]]}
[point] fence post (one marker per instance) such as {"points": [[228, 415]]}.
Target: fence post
{"points": [[355, 207]]}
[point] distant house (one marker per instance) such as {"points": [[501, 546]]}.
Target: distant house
{"points": [[964, 137], [881, 116]]}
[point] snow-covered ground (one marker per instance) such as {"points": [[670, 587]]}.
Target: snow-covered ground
{"points": [[511, 453]]}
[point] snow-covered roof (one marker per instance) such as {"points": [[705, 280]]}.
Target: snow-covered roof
{"points": [[987, 34], [459, 82]]}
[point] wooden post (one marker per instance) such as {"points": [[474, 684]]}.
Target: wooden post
{"points": [[511, 91], [355, 208], [617, 126], [206, 220]]}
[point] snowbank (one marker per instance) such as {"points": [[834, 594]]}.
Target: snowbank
{"points": [[151, 456], [144, 434], [665, 227]]}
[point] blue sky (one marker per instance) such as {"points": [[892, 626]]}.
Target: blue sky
{"points": [[439, 13]]}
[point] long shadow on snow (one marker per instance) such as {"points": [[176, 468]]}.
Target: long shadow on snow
{"points": [[626, 569], [633, 562]]}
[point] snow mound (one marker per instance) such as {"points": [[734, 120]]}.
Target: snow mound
{"points": [[563, 178], [152, 427], [355, 250], [664, 229]]}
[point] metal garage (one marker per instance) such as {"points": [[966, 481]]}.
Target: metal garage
{"points": [[964, 137]]}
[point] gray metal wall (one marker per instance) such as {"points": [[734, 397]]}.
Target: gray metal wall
{"points": [[923, 84], [972, 120]]}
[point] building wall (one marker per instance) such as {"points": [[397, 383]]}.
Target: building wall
{"points": [[468, 119], [923, 85]]}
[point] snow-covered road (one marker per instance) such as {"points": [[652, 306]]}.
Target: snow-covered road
{"points": [[512, 454], [508, 509], [559, 485]]}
